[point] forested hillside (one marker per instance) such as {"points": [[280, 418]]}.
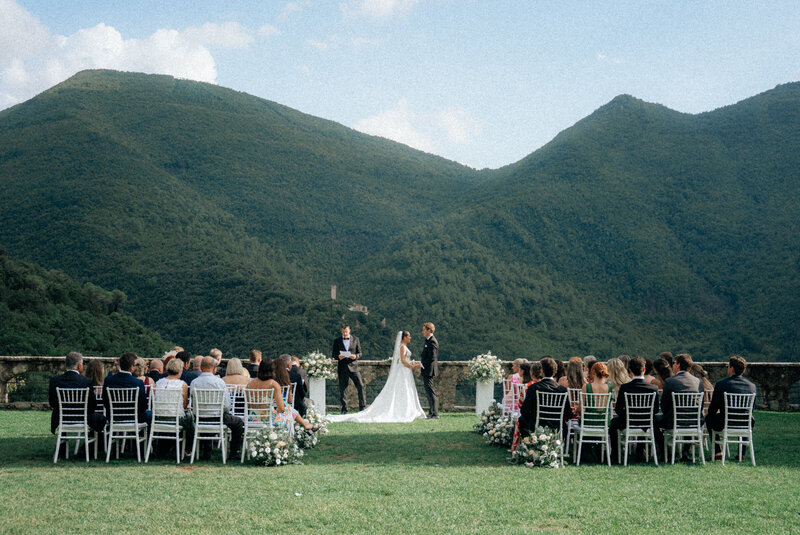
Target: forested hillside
{"points": [[47, 313], [225, 219]]}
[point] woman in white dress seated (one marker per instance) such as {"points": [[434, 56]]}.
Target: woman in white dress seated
{"points": [[398, 400]]}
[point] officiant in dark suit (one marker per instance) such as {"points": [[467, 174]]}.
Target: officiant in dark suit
{"points": [[347, 351]]}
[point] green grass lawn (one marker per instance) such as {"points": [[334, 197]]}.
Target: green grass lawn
{"points": [[426, 477]]}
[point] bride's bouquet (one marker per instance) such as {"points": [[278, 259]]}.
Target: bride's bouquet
{"points": [[485, 368], [318, 365], [541, 448], [274, 447]]}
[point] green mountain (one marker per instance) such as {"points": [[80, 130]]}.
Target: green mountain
{"points": [[225, 218], [47, 313]]}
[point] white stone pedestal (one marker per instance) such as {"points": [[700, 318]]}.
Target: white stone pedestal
{"points": [[484, 394], [316, 392]]}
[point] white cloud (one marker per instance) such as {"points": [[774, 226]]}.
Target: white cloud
{"points": [[33, 59], [303, 69], [268, 30], [363, 42], [459, 126], [319, 45], [604, 58], [397, 124], [376, 9], [226, 35], [22, 35], [288, 10], [429, 132]]}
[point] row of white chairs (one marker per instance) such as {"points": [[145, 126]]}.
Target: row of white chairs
{"points": [[594, 417], [167, 405]]}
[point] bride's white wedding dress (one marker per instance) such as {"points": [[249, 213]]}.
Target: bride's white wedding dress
{"points": [[397, 401]]}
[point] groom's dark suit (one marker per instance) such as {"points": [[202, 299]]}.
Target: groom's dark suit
{"points": [[429, 358], [348, 370]]}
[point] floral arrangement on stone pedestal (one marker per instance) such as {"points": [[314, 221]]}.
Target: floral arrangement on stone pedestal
{"points": [[486, 368], [319, 365]]}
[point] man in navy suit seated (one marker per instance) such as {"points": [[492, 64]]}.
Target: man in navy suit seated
{"points": [[125, 379], [637, 385], [72, 378], [734, 384], [527, 412]]}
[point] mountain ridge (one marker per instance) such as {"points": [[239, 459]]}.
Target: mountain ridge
{"points": [[226, 218]]}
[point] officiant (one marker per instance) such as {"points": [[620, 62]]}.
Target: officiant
{"points": [[347, 351]]}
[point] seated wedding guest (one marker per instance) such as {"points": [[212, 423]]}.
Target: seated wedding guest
{"points": [[156, 369], [588, 362], [173, 381], [207, 381], [235, 374], [527, 413], [217, 355], [625, 359], [72, 378], [297, 375], [255, 361], [515, 376], [597, 384], [188, 375], [637, 385], [267, 379], [536, 371], [698, 371], [574, 377], [138, 371], [648, 372], [95, 371], [561, 370], [663, 371], [617, 376], [733, 384], [196, 363], [682, 381], [667, 355], [124, 379]]}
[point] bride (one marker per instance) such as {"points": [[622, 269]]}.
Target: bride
{"points": [[398, 400]]}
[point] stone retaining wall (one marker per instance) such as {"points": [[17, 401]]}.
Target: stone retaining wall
{"points": [[774, 380]]}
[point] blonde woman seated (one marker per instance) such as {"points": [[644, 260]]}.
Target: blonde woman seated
{"points": [[617, 376], [139, 369], [173, 381], [235, 374], [267, 378]]}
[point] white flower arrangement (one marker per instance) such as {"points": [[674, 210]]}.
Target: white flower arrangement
{"points": [[500, 432], [274, 447], [318, 365], [540, 449], [488, 417], [485, 368], [308, 440]]}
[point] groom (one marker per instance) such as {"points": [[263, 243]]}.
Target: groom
{"points": [[347, 351], [429, 367]]}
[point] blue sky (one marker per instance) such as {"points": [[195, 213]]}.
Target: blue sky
{"points": [[481, 82]]}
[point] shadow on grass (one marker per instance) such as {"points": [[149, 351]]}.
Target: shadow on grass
{"points": [[428, 448]]}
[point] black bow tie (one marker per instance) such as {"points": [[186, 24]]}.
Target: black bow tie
{"points": [[345, 339]]}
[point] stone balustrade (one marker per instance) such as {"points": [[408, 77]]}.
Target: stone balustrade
{"points": [[773, 379]]}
